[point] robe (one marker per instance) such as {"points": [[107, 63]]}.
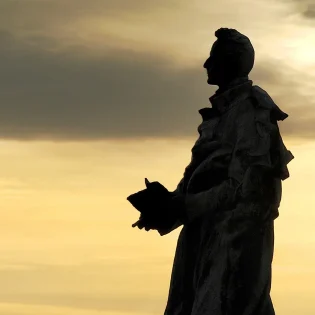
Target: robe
{"points": [[232, 189]]}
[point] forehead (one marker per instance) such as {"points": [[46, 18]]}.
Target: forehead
{"points": [[215, 54], [215, 44]]}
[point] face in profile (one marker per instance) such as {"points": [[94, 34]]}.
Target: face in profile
{"points": [[212, 71], [215, 67]]}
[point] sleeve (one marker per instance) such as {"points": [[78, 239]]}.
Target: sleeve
{"points": [[179, 222], [221, 196], [259, 163], [181, 187], [180, 191]]}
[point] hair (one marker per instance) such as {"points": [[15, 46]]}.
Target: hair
{"points": [[237, 51]]}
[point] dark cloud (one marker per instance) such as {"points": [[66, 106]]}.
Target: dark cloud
{"points": [[308, 8], [30, 13], [304, 7], [71, 96], [123, 94]]}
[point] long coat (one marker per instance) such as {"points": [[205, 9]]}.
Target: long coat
{"points": [[232, 188]]}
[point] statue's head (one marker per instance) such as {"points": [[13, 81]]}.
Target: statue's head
{"points": [[232, 56]]}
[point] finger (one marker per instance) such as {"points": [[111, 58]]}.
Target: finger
{"points": [[141, 225], [137, 223], [146, 226]]}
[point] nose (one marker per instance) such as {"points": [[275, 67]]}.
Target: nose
{"points": [[206, 63]]}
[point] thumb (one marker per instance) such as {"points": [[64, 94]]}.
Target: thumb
{"points": [[147, 183]]}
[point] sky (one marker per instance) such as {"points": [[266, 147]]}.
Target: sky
{"points": [[97, 95]]}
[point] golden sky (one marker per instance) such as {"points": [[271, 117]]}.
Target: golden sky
{"points": [[95, 96]]}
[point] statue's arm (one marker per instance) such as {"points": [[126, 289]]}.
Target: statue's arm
{"points": [[196, 205], [179, 222], [258, 186], [222, 196]]}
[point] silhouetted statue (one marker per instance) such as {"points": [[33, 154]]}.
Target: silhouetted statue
{"points": [[229, 196]]}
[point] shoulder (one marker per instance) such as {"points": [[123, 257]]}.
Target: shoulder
{"points": [[264, 101], [262, 98], [257, 99]]}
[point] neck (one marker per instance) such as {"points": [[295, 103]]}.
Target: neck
{"points": [[230, 84]]}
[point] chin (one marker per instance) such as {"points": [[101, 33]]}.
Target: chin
{"points": [[211, 82]]}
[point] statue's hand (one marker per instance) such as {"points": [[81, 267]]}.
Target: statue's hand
{"points": [[149, 202], [164, 216], [141, 223], [150, 197]]}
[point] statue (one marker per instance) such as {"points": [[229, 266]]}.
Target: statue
{"points": [[229, 195]]}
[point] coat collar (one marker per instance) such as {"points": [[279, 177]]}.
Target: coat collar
{"points": [[221, 102]]}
